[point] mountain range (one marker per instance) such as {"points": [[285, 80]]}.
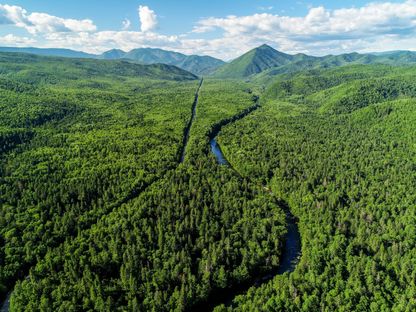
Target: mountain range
{"points": [[260, 63], [264, 61], [196, 64]]}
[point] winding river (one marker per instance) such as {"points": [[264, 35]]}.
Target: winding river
{"points": [[292, 244]]}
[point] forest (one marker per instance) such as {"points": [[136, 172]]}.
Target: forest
{"points": [[339, 148], [99, 211]]}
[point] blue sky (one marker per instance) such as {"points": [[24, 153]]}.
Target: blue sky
{"points": [[220, 28]]}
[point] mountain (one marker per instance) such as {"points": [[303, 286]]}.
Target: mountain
{"points": [[198, 65], [195, 64], [150, 56], [253, 62], [264, 62], [304, 64], [49, 52], [389, 53], [113, 54], [203, 65], [396, 57], [260, 63]]}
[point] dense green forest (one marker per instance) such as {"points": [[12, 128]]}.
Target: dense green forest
{"points": [[73, 149], [99, 212], [339, 147]]}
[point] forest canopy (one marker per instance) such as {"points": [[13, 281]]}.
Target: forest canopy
{"points": [[99, 212]]}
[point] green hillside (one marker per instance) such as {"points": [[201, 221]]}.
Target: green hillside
{"points": [[48, 52], [338, 146], [346, 89], [263, 63], [150, 55], [198, 65], [93, 188], [253, 62], [113, 54], [288, 186], [37, 69]]}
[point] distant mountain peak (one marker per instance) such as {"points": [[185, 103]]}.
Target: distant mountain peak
{"points": [[265, 46], [263, 59], [116, 50], [254, 62], [113, 54], [199, 65]]}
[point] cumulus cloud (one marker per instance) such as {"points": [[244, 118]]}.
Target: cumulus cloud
{"points": [[372, 19], [148, 18], [100, 41], [41, 22], [373, 27], [12, 15], [12, 40]]}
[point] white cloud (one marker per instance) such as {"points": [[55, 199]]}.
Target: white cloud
{"points": [[45, 23], [373, 27], [12, 15], [41, 22], [148, 18], [97, 42], [374, 18], [126, 24], [16, 41]]}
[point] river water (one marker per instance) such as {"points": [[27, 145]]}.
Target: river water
{"points": [[291, 249], [216, 150]]}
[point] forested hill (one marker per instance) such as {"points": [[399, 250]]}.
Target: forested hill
{"points": [[253, 62], [99, 211], [78, 138], [49, 52], [261, 63], [196, 64], [33, 68], [264, 62], [339, 146]]}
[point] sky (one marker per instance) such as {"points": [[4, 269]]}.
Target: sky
{"points": [[220, 28]]}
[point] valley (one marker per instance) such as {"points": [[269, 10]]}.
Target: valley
{"points": [[273, 182]]}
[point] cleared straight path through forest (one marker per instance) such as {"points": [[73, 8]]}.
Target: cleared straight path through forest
{"points": [[137, 189], [189, 125]]}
